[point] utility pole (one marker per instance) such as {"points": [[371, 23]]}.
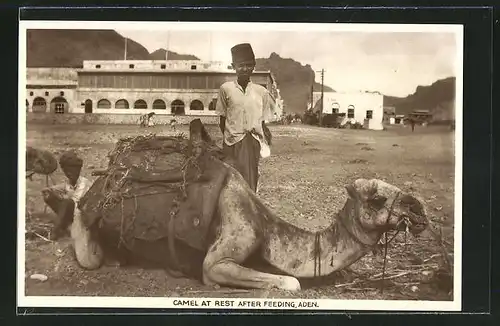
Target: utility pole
{"points": [[210, 46], [322, 93], [168, 45], [125, 52]]}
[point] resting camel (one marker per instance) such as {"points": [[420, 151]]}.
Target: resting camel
{"points": [[244, 231]]}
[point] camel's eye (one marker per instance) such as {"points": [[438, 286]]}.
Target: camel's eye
{"points": [[377, 202]]}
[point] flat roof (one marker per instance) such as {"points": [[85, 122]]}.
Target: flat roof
{"points": [[164, 71]]}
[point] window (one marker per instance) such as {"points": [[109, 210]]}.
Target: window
{"points": [[98, 66], [369, 114], [196, 105], [350, 111], [61, 93], [131, 66], [212, 105], [159, 105], [46, 93], [197, 82], [214, 82], [39, 105], [140, 104], [177, 107], [163, 66], [121, 104], [178, 82], [104, 104], [31, 93], [335, 107], [59, 108], [160, 81], [193, 67]]}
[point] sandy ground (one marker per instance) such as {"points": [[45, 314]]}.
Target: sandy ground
{"points": [[303, 181]]}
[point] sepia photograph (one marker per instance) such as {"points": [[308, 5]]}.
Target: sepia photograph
{"points": [[214, 165]]}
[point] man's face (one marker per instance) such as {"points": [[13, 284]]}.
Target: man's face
{"points": [[72, 173], [244, 69]]}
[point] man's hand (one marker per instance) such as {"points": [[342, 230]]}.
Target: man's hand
{"points": [[267, 133]]}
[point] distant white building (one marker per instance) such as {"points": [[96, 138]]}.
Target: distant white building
{"points": [[366, 108]]}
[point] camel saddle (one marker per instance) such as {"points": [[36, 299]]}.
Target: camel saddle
{"points": [[156, 187]]}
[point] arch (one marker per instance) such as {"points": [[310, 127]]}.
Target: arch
{"points": [[159, 105], [122, 104], [350, 111], [177, 107], [103, 104], [212, 105], [335, 107], [196, 105], [39, 105], [140, 104], [59, 105], [88, 106]]}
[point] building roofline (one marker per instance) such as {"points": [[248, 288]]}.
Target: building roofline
{"points": [[163, 71]]}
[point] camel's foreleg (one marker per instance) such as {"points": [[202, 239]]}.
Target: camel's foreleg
{"points": [[227, 271], [236, 241], [88, 251]]}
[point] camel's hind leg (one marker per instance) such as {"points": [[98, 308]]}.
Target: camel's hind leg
{"points": [[235, 242]]}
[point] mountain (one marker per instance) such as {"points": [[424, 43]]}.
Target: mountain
{"points": [[68, 48], [160, 54], [294, 81], [438, 98]]}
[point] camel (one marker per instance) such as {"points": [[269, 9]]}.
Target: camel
{"points": [[243, 229]]}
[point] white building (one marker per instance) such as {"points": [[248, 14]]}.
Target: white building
{"points": [[136, 87], [366, 108]]}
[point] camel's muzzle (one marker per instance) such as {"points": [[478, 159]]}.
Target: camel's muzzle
{"points": [[414, 223]]}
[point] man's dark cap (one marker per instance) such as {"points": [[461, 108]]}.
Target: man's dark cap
{"points": [[242, 53], [70, 159]]}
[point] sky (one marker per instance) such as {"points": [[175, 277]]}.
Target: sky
{"points": [[393, 63]]}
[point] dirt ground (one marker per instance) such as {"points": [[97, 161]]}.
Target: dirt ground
{"points": [[303, 181]]}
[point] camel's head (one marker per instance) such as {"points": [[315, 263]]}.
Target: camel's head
{"points": [[385, 207]]}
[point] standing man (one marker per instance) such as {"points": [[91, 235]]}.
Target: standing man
{"points": [[412, 122], [243, 108]]}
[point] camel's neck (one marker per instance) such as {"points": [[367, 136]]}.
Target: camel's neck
{"points": [[307, 254]]}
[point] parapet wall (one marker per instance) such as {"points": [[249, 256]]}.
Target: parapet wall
{"points": [[126, 119]]}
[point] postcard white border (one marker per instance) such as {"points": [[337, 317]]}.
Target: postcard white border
{"points": [[168, 302]]}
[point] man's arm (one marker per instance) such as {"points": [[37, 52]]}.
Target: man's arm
{"points": [[268, 112], [222, 123], [267, 133], [221, 108]]}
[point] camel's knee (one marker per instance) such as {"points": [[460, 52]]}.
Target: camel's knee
{"points": [[213, 271], [89, 255], [290, 283]]}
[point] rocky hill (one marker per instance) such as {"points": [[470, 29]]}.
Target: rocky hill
{"points": [[294, 81], [68, 48], [160, 54], [438, 98]]}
